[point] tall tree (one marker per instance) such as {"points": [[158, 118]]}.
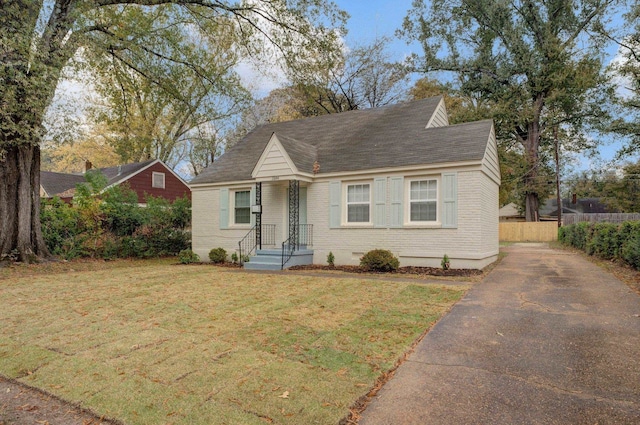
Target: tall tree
{"points": [[166, 116], [521, 56], [38, 39], [364, 77], [628, 70]]}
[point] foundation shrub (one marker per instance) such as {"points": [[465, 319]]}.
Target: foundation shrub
{"points": [[187, 256], [218, 255], [379, 260]]}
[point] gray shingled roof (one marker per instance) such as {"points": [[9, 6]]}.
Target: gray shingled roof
{"points": [[57, 183], [390, 136], [120, 172]]}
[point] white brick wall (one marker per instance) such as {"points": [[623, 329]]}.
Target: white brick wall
{"points": [[414, 246], [473, 244]]}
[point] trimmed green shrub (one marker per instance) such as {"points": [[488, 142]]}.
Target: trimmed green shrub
{"points": [[218, 255], [445, 263], [187, 256], [234, 257], [379, 260], [630, 251], [331, 259], [605, 240]]}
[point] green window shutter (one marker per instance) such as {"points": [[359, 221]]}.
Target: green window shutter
{"points": [[395, 214], [335, 195], [450, 200], [224, 208], [252, 197], [303, 205], [380, 202]]}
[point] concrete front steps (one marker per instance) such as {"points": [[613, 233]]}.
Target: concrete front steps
{"points": [[271, 259]]}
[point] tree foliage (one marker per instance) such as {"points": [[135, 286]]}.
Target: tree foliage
{"points": [[167, 112], [364, 77], [38, 39], [109, 223], [534, 62], [619, 191], [627, 70]]}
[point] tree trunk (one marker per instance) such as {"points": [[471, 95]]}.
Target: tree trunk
{"points": [[532, 202], [20, 232], [532, 147]]}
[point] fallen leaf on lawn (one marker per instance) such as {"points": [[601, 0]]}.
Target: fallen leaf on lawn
{"points": [[284, 395]]}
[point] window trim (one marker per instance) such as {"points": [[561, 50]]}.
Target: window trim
{"points": [[345, 197], [408, 201], [155, 174], [232, 207]]}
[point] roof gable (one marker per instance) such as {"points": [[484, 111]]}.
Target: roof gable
{"points": [[274, 161]]}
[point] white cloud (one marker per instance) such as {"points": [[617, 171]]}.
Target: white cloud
{"points": [[259, 79]]}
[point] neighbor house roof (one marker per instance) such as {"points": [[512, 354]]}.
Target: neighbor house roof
{"points": [[56, 183], [390, 136], [123, 172], [63, 185], [582, 206]]}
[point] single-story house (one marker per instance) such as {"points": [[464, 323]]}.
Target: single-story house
{"points": [[510, 212], [397, 177], [151, 177]]}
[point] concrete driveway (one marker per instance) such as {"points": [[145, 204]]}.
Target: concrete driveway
{"points": [[546, 338]]}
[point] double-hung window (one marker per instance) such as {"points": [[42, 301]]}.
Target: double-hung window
{"points": [[423, 200], [242, 207], [358, 203]]}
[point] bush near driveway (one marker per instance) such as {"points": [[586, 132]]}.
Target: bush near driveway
{"points": [[606, 240], [148, 342]]}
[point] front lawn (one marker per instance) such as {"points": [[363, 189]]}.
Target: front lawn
{"points": [[157, 343]]}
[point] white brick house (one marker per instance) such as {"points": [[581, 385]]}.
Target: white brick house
{"points": [[397, 177]]}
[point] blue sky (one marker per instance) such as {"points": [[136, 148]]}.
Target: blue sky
{"points": [[375, 18]]}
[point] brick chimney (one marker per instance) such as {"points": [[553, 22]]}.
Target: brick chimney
{"points": [[87, 166]]}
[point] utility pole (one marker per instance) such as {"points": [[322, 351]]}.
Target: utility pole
{"points": [[557, 157]]}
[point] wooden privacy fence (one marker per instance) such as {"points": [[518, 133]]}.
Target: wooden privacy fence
{"points": [[568, 219], [542, 231]]}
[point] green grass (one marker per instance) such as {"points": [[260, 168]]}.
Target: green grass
{"points": [[157, 343]]}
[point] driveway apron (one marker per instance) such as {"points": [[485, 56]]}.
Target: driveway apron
{"points": [[546, 338]]}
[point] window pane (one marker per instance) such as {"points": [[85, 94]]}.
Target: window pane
{"points": [[358, 193], [432, 190], [423, 211], [358, 213], [423, 190], [243, 216], [243, 198]]}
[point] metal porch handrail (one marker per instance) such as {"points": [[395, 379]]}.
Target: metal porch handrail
{"points": [[305, 238]]}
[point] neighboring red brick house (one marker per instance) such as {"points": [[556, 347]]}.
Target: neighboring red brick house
{"points": [[151, 177]]}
